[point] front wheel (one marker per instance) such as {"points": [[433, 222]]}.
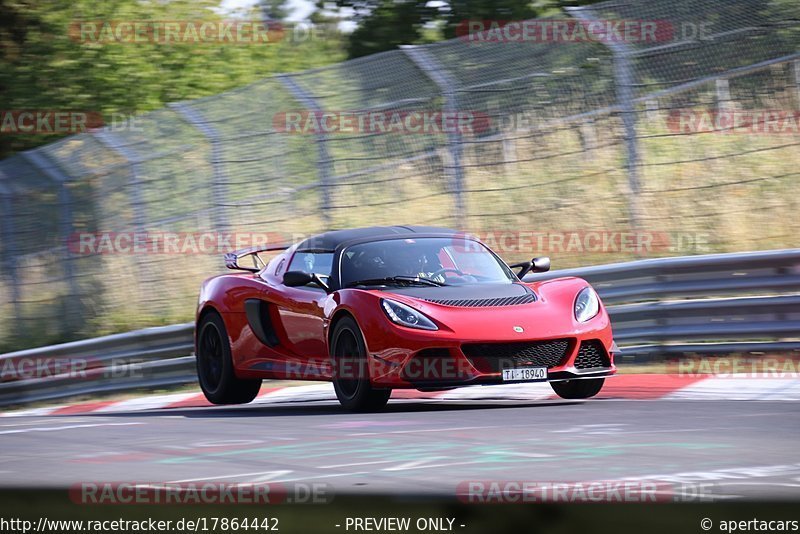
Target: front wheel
{"points": [[351, 373], [215, 370], [578, 389]]}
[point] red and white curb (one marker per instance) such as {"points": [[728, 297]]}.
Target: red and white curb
{"points": [[642, 386]]}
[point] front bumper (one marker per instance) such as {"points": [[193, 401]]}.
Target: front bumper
{"points": [[451, 363], [473, 345]]}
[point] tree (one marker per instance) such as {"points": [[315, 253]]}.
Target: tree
{"points": [[389, 25], [274, 9], [384, 24], [44, 67]]}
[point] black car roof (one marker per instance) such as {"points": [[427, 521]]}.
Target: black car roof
{"points": [[330, 240]]}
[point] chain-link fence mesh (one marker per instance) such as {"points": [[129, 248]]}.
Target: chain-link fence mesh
{"points": [[578, 137]]}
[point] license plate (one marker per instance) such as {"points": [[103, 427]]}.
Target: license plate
{"points": [[525, 374]]}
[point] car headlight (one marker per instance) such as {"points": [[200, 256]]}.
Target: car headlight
{"points": [[587, 305], [406, 316]]}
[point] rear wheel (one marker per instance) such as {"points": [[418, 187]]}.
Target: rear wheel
{"points": [[351, 371], [578, 389], [215, 366]]}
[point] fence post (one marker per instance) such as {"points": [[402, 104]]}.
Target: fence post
{"points": [[624, 78], [110, 141], [455, 170], [50, 169], [10, 251], [723, 95], [218, 188], [652, 108], [796, 68], [324, 160]]}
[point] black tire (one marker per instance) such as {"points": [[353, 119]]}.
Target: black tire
{"points": [[351, 371], [578, 389], [215, 367]]}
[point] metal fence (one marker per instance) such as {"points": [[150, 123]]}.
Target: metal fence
{"points": [[580, 137], [745, 304]]}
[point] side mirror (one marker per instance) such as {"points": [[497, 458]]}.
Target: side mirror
{"points": [[536, 265], [300, 278], [297, 278], [540, 265]]}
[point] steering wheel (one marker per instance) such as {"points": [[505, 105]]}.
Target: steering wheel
{"points": [[447, 270]]}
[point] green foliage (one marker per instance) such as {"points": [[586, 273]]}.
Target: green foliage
{"points": [[43, 67], [274, 9], [385, 24], [389, 25]]}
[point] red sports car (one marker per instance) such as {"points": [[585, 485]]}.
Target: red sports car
{"points": [[374, 309]]}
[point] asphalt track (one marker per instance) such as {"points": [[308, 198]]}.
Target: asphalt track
{"points": [[736, 449]]}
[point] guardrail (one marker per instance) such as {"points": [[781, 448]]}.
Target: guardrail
{"points": [[719, 303], [149, 358], [660, 308]]}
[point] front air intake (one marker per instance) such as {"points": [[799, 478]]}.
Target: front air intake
{"points": [[494, 357], [591, 355]]}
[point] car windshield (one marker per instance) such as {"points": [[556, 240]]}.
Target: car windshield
{"points": [[429, 261]]}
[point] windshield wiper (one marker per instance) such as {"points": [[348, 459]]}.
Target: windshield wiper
{"points": [[402, 279]]}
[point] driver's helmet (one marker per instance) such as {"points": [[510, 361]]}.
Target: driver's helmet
{"points": [[406, 260], [413, 260]]}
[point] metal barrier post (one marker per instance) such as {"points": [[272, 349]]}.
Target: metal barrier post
{"points": [[624, 78], [110, 141], [723, 95], [455, 169], [10, 251], [218, 187], [324, 160], [796, 69], [50, 169]]}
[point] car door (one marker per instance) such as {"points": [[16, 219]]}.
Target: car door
{"points": [[301, 311]]}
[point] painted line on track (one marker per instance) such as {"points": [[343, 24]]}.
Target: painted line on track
{"points": [[621, 387]]}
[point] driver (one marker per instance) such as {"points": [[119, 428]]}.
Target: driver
{"points": [[411, 260]]}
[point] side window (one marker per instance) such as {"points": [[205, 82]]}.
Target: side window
{"points": [[312, 262]]}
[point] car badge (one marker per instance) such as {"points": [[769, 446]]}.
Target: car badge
{"points": [[518, 329]]}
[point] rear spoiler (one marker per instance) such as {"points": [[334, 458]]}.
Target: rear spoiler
{"points": [[232, 258]]}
